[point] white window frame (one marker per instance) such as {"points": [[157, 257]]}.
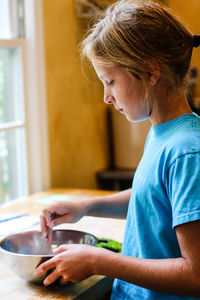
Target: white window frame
{"points": [[33, 59], [37, 137]]}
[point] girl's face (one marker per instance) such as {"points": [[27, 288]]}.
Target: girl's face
{"points": [[123, 91]]}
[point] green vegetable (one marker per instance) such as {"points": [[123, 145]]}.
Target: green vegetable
{"points": [[101, 245], [109, 244], [114, 245], [103, 240]]}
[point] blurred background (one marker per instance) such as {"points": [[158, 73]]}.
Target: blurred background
{"points": [[55, 130]]}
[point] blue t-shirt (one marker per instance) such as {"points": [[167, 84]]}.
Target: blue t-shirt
{"points": [[165, 193]]}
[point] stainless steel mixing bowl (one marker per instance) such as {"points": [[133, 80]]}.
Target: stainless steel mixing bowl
{"points": [[25, 251]]}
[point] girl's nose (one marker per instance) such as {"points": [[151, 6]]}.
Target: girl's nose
{"points": [[109, 99]]}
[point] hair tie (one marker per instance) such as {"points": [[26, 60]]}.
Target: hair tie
{"points": [[196, 41]]}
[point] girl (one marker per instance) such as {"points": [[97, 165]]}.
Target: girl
{"points": [[142, 54]]}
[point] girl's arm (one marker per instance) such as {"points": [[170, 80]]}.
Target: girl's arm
{"points": [[112, 206], [179, 276]]}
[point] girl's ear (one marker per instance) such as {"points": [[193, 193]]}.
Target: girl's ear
{"points": [[154, 72]]}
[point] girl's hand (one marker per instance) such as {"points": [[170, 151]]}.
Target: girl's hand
{"points": [[72, 263], [58, 213]]}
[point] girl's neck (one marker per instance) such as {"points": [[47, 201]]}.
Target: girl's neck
{"points": [[167, 107]]}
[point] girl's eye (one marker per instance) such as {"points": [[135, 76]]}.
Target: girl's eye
{"points": [[111, 82]]}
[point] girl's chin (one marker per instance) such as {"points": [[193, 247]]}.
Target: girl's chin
{"points": [[136, 119]]}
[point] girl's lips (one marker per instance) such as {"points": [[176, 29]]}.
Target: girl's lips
{"points": [[119, 109]]}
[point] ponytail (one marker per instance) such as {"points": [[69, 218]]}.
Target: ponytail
{"points": [[196, 41]]}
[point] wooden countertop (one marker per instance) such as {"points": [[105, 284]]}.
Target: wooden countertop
{"points": [[13, 287]]}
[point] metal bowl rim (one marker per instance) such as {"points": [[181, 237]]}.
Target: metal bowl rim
{"points": [[37, 231]]}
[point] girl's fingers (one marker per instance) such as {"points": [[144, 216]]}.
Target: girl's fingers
{"points": [[60, 249], [49, 235], [43, 224], [49, 215], [59, 220], [44, 267], [63, 280], [53, 276], [46, 230], [53, 216]]}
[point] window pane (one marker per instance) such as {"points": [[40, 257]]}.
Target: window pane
{"points": [[11, 19], [11, 86], [13, 169]]}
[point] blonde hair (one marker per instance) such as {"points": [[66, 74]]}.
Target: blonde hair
{"points": [[132, 33]]}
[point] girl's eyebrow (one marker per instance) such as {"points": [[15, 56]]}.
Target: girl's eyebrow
{"points": [[103, 77]]}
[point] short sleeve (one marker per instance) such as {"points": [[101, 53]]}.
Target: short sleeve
{"points": [[184, 188]]}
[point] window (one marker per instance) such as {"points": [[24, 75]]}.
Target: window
{"points": [[23, 136]]}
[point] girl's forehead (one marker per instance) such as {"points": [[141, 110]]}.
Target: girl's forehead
{"points": [[105, 68]]}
